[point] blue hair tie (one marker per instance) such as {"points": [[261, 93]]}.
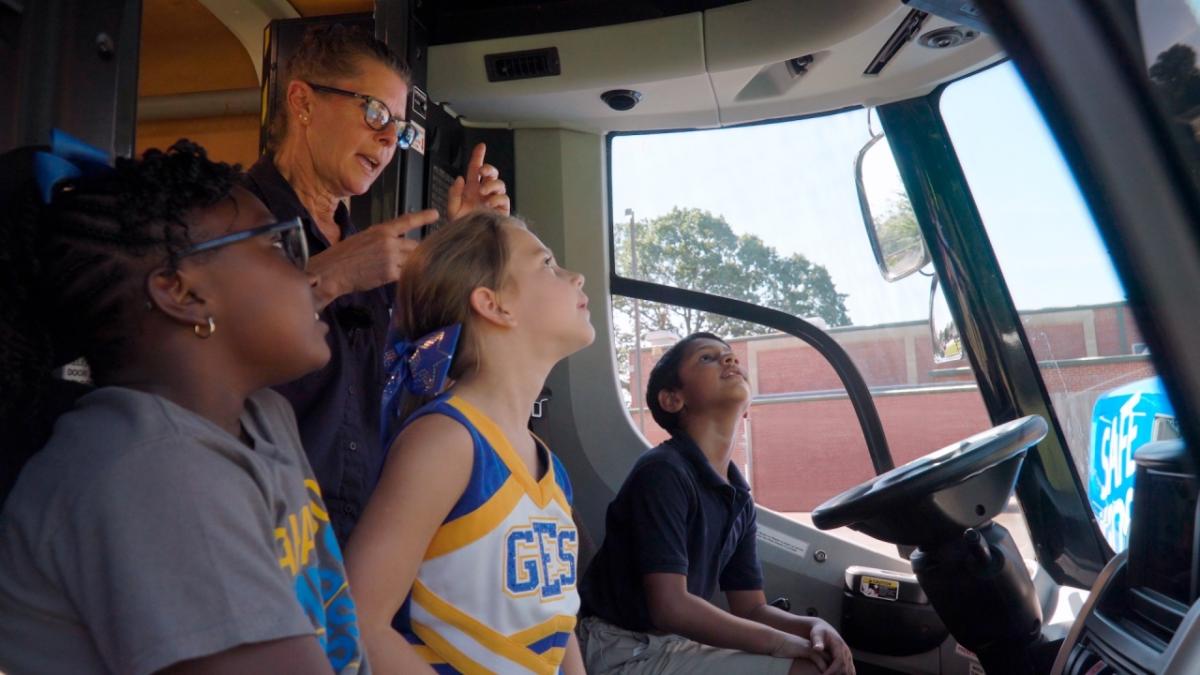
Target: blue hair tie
{"points": [[421, 367], [68, 158]]}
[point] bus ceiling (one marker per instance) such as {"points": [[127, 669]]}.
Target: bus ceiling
{"points": [[694, 63]]}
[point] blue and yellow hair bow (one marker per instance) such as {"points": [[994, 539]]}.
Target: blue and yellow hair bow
{"points": [[420, 367]]}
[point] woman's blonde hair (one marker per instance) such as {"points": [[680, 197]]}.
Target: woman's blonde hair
{"points": [[435, 286]]}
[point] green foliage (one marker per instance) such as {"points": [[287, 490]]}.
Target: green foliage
{"points": [[693, 249], [1175, 73], [899, 235]]}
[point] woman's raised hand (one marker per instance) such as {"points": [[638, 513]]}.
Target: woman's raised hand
{"points": [[482, 188]]}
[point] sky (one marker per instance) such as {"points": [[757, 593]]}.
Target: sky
{"points": [[792, 184], [1166, 22]]}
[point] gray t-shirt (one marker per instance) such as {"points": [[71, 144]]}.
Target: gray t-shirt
{"points": [[144, 535]]}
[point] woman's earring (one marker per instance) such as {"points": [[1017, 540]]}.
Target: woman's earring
{"points": [[212, 328], [304, 118]]}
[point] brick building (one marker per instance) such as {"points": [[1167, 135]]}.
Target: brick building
{"points": [[802, 442]]}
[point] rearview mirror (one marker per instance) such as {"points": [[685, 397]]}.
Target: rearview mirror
{"points": [[887, 212], [947, 343]]}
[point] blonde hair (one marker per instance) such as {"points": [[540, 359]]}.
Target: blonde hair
{"points": [[435, 286]]}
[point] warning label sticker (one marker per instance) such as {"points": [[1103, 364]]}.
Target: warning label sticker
{"points": [[884, 589], [419, 142], [783, 541], [420, 102]]}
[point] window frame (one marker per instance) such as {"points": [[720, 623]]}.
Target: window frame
{"points": [[1006, 371], [1071, 54], [856, 387], [1063, 528]]}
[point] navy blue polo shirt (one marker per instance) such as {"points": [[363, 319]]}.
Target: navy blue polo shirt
{"points": [[673, 514], [338, 406]]}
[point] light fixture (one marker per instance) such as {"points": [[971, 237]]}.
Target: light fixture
{"points": [[945, 38]]}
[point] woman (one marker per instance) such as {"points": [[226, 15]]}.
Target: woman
{"points": [[341, 122]]}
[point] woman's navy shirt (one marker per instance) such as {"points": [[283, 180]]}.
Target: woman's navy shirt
{"points": [[338, 406]]}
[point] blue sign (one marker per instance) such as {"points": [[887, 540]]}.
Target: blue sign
{"points": [[1123, 420]]}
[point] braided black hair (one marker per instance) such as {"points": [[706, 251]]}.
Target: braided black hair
{"points": [[72, 273]]}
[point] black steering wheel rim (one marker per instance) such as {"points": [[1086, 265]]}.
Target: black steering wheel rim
{"points": [[926, 475]]}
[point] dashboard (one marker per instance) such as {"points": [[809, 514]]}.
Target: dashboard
{"points": [[1142, 615]]}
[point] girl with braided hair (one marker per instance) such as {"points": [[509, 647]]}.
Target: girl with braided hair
{"points": [[171, 521]]}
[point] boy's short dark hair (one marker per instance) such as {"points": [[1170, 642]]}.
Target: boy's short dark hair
{"points": [[665, 375]]}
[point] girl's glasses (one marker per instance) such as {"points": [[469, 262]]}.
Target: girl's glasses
{"points": [[290, 235], [376, 114]]}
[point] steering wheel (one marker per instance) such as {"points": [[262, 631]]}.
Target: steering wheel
{"points": [[934, 498]]}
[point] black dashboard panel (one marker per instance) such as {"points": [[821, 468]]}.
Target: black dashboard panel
{"points": [[1137, 615], [1103, 639], [1163, 541]]}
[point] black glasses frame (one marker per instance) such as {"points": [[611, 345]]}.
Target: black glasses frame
{"points": [[295, 245], [406, 132]]}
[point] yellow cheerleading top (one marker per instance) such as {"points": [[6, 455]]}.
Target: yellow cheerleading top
{"points": [[496, 590]]}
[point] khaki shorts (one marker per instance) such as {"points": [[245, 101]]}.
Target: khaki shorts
{"points": [[609, 649]]}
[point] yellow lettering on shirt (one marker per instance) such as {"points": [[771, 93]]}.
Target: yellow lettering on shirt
{"points": [[287, 561], [311, 526], [315, 501], [298, 541]]}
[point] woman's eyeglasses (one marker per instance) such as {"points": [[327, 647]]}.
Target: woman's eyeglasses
{"points": [[289, 233], [376, 114]]}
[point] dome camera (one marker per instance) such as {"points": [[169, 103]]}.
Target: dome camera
{"points": [[621, 99]]}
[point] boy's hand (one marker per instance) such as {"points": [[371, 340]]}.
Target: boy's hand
{"points": [[795, 647], [826, 640]]}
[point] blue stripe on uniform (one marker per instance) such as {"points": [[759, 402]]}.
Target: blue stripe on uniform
{"points": [[550, 642], [561, 477], [488, 471], [439, 668]]}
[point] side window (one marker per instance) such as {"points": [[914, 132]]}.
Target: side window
{"points": [[789, 381], [1170, 35], [1095, 365], [769, 214]]}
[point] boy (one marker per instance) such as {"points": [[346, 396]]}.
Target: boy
{"points": [[682, 522]]}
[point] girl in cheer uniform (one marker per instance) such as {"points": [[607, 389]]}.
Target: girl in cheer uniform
{"points": [[468, 540]]}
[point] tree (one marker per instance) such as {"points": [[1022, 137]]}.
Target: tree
{"points": [[898, 234], [693, 249], [1175, 73]]}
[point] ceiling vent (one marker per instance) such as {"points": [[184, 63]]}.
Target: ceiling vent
{"points": [[908, 28], [522, 65]]}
